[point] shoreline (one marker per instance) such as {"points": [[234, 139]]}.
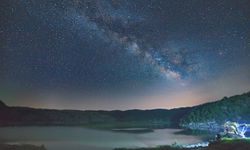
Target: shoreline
{"points": [[234, 144], [16, 146]]}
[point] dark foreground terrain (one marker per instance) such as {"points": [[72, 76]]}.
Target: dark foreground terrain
{"points": [[222, 145], [21, 147]]}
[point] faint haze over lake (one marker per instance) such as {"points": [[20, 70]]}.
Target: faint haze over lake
{"points": [[75, 138]]}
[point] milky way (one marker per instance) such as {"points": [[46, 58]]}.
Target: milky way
{"points": [[186, 52]]}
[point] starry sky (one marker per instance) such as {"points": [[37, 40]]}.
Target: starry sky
{"points": [[123, 54]]}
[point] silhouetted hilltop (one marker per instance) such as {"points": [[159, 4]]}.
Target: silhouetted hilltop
{"points": [[2, 104], [212, 115], [207, 116], [158, 118]]}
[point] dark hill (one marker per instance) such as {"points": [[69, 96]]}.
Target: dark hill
{"points": [[2, 104], [213, 115], [158, 118], [206, 116]]}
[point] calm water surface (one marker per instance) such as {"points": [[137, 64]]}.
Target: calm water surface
{"points": [[77, 138]]}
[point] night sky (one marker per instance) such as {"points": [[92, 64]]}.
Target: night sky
{"points": [[123, 54]]}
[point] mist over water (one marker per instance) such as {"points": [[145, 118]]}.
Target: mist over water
{"points": [[75, 138]]}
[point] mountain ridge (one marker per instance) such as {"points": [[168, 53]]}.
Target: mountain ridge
{"points": [[205, 116]]}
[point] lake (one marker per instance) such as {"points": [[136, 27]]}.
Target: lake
{"points": [[78, 138]]}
